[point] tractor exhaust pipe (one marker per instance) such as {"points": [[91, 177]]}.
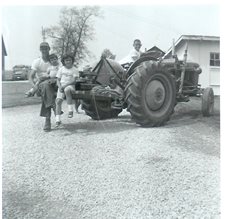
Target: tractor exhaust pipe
{"points": [[183, 70]]}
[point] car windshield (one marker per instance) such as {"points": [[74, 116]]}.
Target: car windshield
{"points": [[17, 68]]}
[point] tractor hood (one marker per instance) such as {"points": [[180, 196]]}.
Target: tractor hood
{"points": [[190, 65], [105, 69]]}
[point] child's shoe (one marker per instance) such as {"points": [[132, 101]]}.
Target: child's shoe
{"points": [[70, 115], [58, 123], [29, 94]]}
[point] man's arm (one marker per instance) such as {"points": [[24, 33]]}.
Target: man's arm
{"points": [[134, 55], [43, 78], [32, 77]]}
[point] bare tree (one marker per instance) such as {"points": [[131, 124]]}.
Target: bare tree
{"points": [[75, 29]]}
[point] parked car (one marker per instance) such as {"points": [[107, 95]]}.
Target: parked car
{"points": [[20, 72]]}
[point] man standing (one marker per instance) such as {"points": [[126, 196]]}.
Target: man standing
{"points": [[39, 71], [134, 53]]}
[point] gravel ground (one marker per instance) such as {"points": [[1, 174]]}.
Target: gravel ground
{"points": [[112, 168]]}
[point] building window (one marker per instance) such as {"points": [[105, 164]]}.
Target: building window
{"points": [[214, 59]]}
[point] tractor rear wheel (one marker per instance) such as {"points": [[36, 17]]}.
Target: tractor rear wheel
{"points": [[150, 94], [207, 102]]}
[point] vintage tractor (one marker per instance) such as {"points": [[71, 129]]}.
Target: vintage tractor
{"points": [[149, 89]]}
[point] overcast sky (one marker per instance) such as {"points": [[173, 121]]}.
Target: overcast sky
{"points": [[154, 25]]}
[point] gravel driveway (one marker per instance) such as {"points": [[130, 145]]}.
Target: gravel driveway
{"points": [[112, 168]]}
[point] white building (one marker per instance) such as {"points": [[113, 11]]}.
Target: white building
{"points": [[205, 50]]}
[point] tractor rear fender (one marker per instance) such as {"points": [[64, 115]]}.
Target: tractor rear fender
{"points": [[137, 63]]}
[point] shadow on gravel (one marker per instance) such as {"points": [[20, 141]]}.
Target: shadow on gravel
{"points": [[16, 203], [195, 128], [122, 123], [185, 114], [190, 113], [179, 119]]}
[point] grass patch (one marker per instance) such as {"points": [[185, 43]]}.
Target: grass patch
{"points": [[13, 94]]}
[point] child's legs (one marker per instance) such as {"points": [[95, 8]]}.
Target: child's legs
{"points": [[31, 90], [69, 90], [59, 100], [35, 87]]}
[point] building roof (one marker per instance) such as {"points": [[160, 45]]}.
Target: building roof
{"points": [[193, 38], [155, 52], [155, 48]]}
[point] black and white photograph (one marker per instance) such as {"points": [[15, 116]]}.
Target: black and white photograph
{"points": [[111, 111]]}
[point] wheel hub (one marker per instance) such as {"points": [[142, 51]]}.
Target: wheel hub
{"points": [[155, 94]]}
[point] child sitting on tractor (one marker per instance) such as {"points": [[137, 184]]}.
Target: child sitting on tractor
{"points": [[66, 78]]}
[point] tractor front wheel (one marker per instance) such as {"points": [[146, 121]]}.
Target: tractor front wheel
{"points": [[207, 102]]}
